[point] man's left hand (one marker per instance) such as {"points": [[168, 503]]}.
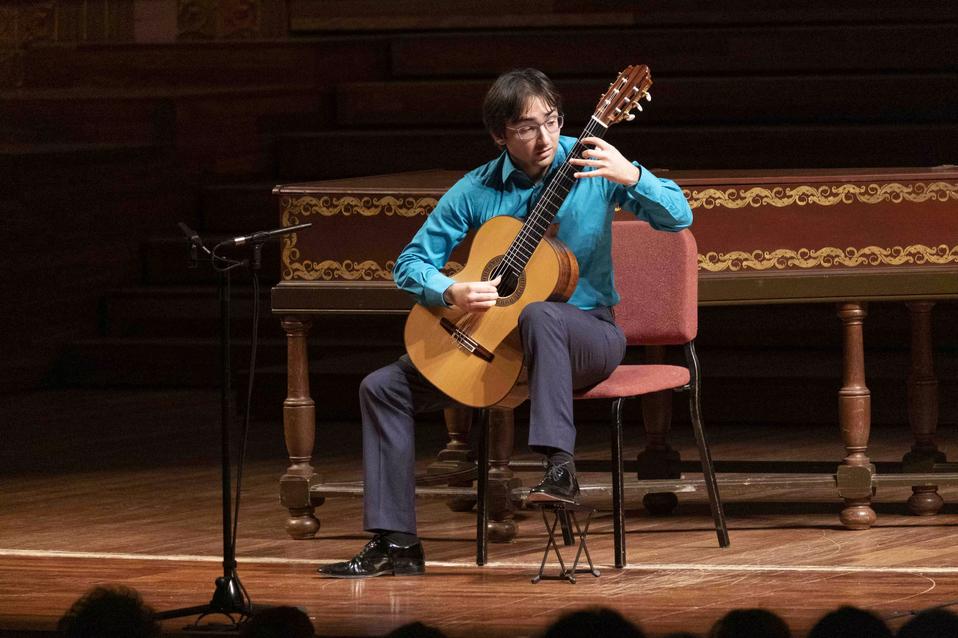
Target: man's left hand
{"points": [[607, 161]]}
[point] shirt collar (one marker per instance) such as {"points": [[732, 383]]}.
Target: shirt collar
{"points": [[511, 171]]}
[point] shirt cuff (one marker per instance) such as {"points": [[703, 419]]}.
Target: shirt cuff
{"points": [[435, 286], [648, 183]]}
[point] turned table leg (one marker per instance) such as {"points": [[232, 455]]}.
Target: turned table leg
{"points": [[502, 480], [455, 457], [922, 410], [299, 427], [658, 460], [854, 406]]}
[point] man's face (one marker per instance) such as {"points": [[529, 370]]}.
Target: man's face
{"points": [[535, 154]]}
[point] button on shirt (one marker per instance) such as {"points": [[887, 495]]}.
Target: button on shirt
{"points": [[585, 223]]}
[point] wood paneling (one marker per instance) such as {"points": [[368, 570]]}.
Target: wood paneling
{"points": [[784, 100], [301, 156], [687, 51], [310, 16]]}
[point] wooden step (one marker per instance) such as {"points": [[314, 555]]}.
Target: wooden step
{"points": [[38, 117], [194, 311], [178, 311], [702, 51], [321, 16], [306, 62], [237, 208], [305, 156], [694, 101]]}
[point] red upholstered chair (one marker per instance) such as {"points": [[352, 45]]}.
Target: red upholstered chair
{"points": [[656, 275]]}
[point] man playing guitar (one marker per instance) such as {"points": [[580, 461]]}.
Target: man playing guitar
{"points": [[566, 345]]}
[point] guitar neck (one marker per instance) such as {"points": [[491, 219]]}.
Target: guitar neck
{"points": [[543, 213]]}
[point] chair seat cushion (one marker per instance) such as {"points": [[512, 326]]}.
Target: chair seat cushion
{"points": [[632, 380]]}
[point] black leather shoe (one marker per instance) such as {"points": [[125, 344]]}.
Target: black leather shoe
{"points": [[380, 557], [559, 484]]}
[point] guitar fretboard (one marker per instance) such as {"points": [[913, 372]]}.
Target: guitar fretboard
{"points": [[543, 213]]}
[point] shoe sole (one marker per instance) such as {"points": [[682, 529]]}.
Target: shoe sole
{"points": [[357, 577], [543, 497]]}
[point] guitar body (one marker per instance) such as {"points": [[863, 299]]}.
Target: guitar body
{"points": [[476, 358]]}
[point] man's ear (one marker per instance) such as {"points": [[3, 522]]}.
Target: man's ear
{"points": [[500, 141]]}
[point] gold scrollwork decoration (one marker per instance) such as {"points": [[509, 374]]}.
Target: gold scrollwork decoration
{"points": [[804, 195], [347, 270], [332, 270], [367, 206], [329, 270], [804, 258]]}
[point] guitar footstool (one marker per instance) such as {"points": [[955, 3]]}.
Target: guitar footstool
{"points": [[566, 514]]}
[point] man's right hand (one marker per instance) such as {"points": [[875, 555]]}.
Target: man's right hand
{"points": [[473, 296]]}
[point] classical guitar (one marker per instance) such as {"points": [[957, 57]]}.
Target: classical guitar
{"points": [[476, 358]]}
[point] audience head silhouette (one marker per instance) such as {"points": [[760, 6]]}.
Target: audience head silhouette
{"points": [[109, 612], [850, 622], [415, 630], [593, 622], [278, 622], [750, 623], [934, 622]]}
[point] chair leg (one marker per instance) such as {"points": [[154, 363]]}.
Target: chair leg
{"points": [[708, 470], [482, 487], [618, 506]]}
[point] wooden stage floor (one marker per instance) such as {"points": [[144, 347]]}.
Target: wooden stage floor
{"points": [[123, 487]]}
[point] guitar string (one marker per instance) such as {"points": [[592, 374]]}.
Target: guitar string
{"points": [[541, 217], [539, 220], [537, 223], [562, 181]]}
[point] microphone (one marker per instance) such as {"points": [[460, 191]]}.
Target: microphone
{"points": [[195, 243], [266, 235], [191, 234]]}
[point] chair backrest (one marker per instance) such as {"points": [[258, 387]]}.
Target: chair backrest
{"points": [[656, 275]]}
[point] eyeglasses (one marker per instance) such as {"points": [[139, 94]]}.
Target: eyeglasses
{"points": [[526, 133]]}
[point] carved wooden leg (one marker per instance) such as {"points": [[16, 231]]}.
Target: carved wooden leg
{"points": [[502, 525], [658, 460], [922, 411], [455, 457], [854, 406], [299, 426]]}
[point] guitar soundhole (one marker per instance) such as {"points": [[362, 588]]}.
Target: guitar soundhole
{"points": [[511, 286]]}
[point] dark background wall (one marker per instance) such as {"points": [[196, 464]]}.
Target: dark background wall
{"points": [[119, 118]]}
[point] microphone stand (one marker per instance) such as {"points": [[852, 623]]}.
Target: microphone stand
{"points": [[229, 596]]}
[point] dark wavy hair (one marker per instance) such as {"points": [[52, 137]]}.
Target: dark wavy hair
{"points": [[508, 95]]}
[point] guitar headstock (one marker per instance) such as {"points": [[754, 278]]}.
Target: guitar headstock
{"points": [[624, 95]]}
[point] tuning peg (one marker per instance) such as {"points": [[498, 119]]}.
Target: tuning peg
{"points": [[630, 117], [638, 106], [648, 97]]}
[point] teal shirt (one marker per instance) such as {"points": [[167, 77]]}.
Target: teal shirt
{"points": [[585, 223]]}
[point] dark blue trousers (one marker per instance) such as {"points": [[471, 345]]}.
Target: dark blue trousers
{"points": [[565, 349]]}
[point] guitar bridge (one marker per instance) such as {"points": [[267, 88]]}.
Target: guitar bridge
{"points": [[465, 342]]}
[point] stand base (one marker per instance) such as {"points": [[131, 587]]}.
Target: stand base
{"points": [[229, 599]]}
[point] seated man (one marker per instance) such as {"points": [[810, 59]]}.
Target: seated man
{"points": [[566, 345]]}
